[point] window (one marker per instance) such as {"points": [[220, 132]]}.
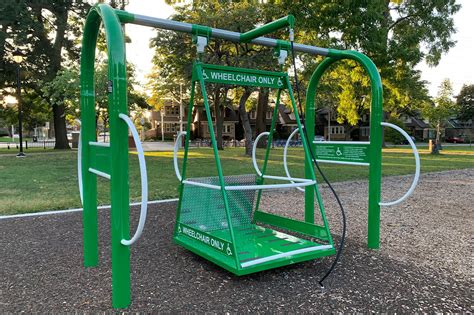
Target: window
{"points": [[227, 128], [171, 128], [253, 115], [268, 115], [172, 110], [337, 130]]}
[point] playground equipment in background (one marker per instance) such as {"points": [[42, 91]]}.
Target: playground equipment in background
{"points": [[217, 217]]}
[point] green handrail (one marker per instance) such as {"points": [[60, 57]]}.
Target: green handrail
{"points": [[375, 147], [288, 20]]}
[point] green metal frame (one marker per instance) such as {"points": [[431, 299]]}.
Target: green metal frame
{"points": [[100, 158], [227, 75], [375, 147], [271, 27]]}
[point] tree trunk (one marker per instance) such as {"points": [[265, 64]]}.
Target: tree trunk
{"points": [[347, 132], [438, 137], [219, 118], [60, 131], [244, 117], [261, 121], [59, 116]]}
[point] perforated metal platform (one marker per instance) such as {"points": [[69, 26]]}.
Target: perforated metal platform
{"points": [[258, 248], [203, 228]]}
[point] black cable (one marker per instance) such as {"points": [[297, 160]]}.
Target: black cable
{"points": [[305, 134]]}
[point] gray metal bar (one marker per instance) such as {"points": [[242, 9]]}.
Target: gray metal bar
{"points": [[221, 34]]}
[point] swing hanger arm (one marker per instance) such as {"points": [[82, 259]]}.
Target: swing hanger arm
{"points": [[286, 21]]}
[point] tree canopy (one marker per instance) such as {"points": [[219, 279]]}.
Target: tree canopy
{"points": [[49, 34], [396, 35], [465, 102], [441, 110]]}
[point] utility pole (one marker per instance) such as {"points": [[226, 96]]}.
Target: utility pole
{"points": [[18, 58], [329, 123], [181, 107], [181, 114], [162, 124]]}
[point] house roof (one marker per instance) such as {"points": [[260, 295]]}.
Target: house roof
{"points": [[286, 115], [455, 123], [417, 123]]}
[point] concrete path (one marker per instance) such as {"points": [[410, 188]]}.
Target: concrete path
{"points": [[158, 146]]}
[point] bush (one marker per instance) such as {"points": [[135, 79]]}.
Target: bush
{"points": [[393, 136]]}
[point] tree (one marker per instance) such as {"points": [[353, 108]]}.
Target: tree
{"points": [[175, 53], [64, 89], [47, 32], [35, 114], [465, 101], [443, 108], [392, 135], [396, 35]]}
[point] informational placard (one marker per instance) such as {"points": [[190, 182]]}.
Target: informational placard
{"points": [[214, 242], [241, 76], [351, 153]]}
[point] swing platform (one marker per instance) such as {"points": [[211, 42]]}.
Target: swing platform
{"points": [[258, 248], [260, 238]]}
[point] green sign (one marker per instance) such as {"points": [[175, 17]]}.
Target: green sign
{"points": [[342, 152], [207, 239], [239, 76]]}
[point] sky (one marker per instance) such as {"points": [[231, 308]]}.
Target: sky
{"points": [[457, 65], [138, 51]]}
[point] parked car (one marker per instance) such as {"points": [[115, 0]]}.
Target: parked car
{"points": [[457, 139], [319, 138], [405, 141]]}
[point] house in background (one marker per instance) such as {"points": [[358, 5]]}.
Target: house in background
{"points": [[169, 117], [167, 121], [331, 129], [200, 128], [268, 118], [416, 127], [459, 128], [286, 122]]}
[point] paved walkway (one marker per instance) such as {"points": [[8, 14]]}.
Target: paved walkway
{"points": [[158, 146]]}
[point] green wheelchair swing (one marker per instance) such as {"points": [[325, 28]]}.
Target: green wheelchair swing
{"points": [[218, 218]]}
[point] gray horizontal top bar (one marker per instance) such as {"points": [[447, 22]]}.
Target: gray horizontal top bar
{"points": [[220, 33]]}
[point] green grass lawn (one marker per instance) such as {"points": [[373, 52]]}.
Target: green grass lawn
{"points": [[9, 139], [44, 181]]}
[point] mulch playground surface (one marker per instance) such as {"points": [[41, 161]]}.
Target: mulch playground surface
{"points": [[41, 266]]}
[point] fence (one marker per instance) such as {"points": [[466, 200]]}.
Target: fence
{"points": [[236, 143], [44, 144]]}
